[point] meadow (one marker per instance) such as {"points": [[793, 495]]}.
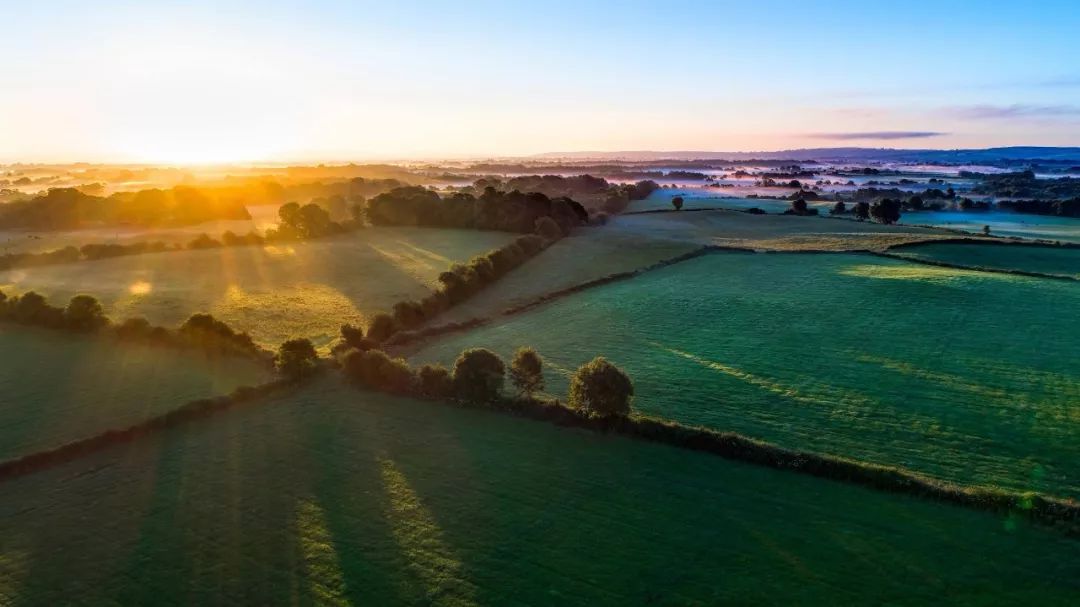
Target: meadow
{"points": [[61, 387], [633, 242], [275, 292], [876, 359], [333, 496], [1059, 261], [1001, 223]]}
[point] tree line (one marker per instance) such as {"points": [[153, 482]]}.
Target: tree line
{"points": [[85, 314], [492, 210]]}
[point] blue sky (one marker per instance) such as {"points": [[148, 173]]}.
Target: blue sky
{"points": [[321, 80]]}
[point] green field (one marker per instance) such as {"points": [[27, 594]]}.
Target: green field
{"points": [[631, 242], [274, 292], [967, 376], [61, 387], [1046, 260], [337, 497]]}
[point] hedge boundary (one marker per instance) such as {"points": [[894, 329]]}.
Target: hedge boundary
{"points": [[186, 413]]}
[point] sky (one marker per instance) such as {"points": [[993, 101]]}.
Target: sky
{"points": [[237, 81]]}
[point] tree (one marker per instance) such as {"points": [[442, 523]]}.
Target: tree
{"points": [[296, 359], [381, 328], [799, 206], [435, 381], [527, 371], [861, 210], [84, 313], [677, 202], [986, 230], [375, 369], [601, 388], [548, 229], [886, 210], [839, 208], [479, 375]]}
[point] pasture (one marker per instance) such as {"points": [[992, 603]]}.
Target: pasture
{"points": [[1001, 223], [338, 497], [876, 359], [274, 292], [1059, 261], [62, 387]]}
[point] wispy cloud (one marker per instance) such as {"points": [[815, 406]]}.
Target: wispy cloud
{"points": [[889, 135], [1016, 110]]}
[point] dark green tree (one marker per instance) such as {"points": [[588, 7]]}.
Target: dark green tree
{"points": [[527, 371], [479, 375], [677, 202], [296, 359], [600, 388]]}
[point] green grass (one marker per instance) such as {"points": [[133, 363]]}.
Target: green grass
{"points": [[338, 497], [274, 292], [966, 376], [60, 387], [1046, 260]]}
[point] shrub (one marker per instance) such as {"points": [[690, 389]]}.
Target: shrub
{"points": [[434, 381], [408, 314], [547, 229], [84, 313], [296, 359], [381, 328], [479, 375], [527, 371], [354, 338], [375, 369], [600, 388]]}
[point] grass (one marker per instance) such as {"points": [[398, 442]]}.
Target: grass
{"points": [[338, 497], [1002, 223], [965, 376], [60, 387], [1046, 260], [631, 242], [274, 292]]}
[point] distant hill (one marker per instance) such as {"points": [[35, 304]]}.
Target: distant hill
{"points": [[990, 155]]}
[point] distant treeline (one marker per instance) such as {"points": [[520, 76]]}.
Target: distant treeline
{"points": [[492, 210], [595, 193], [72, 208], [1024, 185]]}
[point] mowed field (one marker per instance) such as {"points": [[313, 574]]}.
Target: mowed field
{"points": [[61, 387], [966, 376], [274, 292], [1059, 261], [339, 497]]}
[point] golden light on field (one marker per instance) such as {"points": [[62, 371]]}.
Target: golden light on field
{"points": [[140, 287]]}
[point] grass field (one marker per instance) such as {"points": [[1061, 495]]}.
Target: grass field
{"points": [[967, 376], [1046, 260], [60, 387], [776, 232], [630, 242], [1002, 223], [337, 497], [30, 241], [720, 198], [273, 292]]}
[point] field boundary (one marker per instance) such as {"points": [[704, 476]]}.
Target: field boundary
{"points": [[410, 337], [188, 412], [945, 264]]}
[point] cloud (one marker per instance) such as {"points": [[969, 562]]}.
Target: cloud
{"points": [[1016, 110], [878, 135]]}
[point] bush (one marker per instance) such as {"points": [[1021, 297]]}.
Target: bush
{"points": [[296, 359], [527, 371], [434, 381], [600, 388], [381, 328], [375, 369], [547, 229], [84, 313], [479, 375]]}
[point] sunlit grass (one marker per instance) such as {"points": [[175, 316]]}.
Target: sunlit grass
{"points": [[322, 567]]}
